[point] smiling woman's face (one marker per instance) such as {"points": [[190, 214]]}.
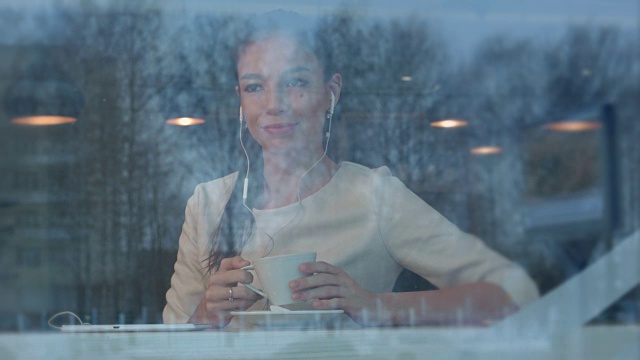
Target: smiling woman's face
{"points": [[284, 95]]}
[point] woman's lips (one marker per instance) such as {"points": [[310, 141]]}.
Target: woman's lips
{"points": [[280, 128]]}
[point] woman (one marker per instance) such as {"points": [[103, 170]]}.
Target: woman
{"points": [[365, 225]]}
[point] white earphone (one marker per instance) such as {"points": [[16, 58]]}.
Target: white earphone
{"points": [[333, 104], [246, 177]]}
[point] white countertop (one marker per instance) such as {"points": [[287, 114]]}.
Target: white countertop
{"points": [[594, 342]]}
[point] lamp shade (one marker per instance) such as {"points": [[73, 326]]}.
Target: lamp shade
{"points": [[43, 102], [449, 123], [485, 150], [573, 125], [185, 105]]}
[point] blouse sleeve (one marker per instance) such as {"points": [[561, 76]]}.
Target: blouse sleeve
{"points": [[423, 241], [187, 285], [202, 216]]}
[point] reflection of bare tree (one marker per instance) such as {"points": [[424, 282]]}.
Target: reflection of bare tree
{"points": [[504, 92], [586, 67], [382, 115], [591, 66], [118, 54], [517, 84], [211, 41], [136, 172]]}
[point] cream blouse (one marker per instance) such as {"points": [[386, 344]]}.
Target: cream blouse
{"points": [[364, 221]]}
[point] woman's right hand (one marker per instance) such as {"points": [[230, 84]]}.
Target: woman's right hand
{"points": [[225, 294]]}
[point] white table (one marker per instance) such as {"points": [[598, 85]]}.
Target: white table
{"points": [[547, 329], [596, 342]]}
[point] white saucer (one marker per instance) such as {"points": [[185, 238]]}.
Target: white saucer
{"points": [[302, 319]]}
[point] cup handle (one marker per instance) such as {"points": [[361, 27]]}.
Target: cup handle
{"points": [[255, 289], [251, 287]]}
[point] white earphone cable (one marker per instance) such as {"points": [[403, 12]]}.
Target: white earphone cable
{"points": [[326, 147], [50, 322], [246, 177]]}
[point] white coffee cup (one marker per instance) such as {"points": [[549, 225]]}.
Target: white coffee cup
{"points": [[275, 273]]}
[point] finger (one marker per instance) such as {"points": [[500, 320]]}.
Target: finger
{"points": [[323, 292], [316, 280], [221, 294], [238, 305], [242, 292], [319, 267], [235, 262], [222, 307], [331, 304], [226, 306], [230, 278]]}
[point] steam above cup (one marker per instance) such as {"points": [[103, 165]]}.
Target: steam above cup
{"points": [[275, 273]]}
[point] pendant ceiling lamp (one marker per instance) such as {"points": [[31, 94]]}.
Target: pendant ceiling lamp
{"points": [[185, 105], [449, 123], [44, 96], [573, 125]]}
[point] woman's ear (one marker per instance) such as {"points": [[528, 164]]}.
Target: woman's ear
{"points": [[237, 90], [335, 86]]}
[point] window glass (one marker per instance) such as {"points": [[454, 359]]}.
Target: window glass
{"points": [[518, 121]]}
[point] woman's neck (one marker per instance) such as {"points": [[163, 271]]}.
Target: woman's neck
{"points": [[289, 175]]}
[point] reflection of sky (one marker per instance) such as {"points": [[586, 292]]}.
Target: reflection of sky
{"points": [[463, 23]]}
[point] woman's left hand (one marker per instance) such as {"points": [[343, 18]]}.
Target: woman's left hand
{"points": [[335, 289]]}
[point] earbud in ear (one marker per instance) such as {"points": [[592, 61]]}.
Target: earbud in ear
{"points": [[333, 103], [240, 114]]}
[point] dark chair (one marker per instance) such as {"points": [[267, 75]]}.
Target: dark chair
{"points": [[410, 281]]}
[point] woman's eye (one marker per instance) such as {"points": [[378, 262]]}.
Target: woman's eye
{"points": [[252, 88], [297, 83]]}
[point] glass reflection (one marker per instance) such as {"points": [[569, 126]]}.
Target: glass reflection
{"points": [[86, 210]]}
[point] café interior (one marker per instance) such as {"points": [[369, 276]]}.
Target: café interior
{"points": [[516, 121]]}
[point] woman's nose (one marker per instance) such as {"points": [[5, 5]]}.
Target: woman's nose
{"points": [[276, 102]]}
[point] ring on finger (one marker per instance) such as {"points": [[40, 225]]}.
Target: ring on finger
{"points": [[231, 294]]}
